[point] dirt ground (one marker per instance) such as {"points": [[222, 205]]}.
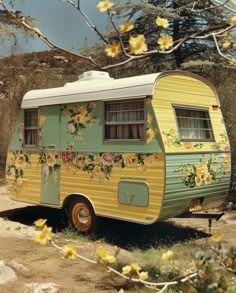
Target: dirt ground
{"points": [[34, 264]]}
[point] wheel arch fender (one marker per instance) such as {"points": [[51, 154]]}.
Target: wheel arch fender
{"points": [[73, 196]]}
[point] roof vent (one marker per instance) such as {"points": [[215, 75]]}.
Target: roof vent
{"points": [[91, 75]]}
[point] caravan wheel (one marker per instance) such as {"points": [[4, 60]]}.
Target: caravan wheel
{"points": [[82, 216]]}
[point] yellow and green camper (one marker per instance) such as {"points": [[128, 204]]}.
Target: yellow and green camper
{"points": [[139, 149]]}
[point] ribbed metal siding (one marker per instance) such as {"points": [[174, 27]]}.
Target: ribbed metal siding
{"points": [[178, 196]]}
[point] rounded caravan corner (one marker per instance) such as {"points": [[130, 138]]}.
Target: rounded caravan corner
{"points": [[193, 75]]}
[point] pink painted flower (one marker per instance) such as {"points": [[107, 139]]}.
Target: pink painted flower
{"points": [[65, 157], [108, 159], [13, 171], [225, 148], [46, 170], [71, 128]]}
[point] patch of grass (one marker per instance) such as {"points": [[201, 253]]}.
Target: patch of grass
{"points": [[70, 234]]}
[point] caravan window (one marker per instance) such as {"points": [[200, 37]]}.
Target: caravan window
{"points": [[124, 120], [31, 127], [194, 124]]}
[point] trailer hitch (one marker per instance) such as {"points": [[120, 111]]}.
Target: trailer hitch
{"points": [[204, 215]]}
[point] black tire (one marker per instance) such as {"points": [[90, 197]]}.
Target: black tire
{"points": [[82, 216]]}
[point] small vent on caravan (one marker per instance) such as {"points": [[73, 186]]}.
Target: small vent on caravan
{"points": [[91, 76]]}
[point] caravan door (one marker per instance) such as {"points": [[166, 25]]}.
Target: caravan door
{"points": [[49, 130]]}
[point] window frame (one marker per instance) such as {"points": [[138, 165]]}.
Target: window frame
{"points": [[143, 122], [32, 127], [198, 109]]}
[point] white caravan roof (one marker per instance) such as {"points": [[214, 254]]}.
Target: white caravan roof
{"points": [[92, 86]]}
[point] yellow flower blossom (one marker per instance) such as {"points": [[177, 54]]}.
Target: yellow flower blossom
{"points": [[19, 181], [234, 1], [126, 270], [103, 255], [232, 20], [135, 267], [43, 236], [168, 255], [217, 236], [226, 44], [162, 22], [40, 223], [165, 42], [143, 276], [101, 251], [113, 49], [69, 251], [126, 27], [110, 259], [104, 5], [137, 44]]}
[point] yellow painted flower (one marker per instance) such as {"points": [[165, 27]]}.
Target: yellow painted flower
{"points": [[149, 119], [141, 169], [126, 270], [51, 160], [19, 181], [130, 159], [150, 160], [163, 22], [198, 180], [226, 44], [172, 132], [208, 179], [143, 276], [168, 255], [165, 42], [20, 162], [78, 118], [104, 5], [92, 105], [126, 27], [113, 49], [96, 170], [69, 251], [217, 236], [97, 160], [135, 267], [232, 20], [234, 1], [137, 45], [42, 119], [187, 145], [40, 223], [43, 236], [150, 134]]}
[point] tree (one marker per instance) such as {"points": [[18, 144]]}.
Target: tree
{"points": [[177, 29], [9, 27]]}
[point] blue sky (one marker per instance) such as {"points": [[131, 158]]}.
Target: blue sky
{"points": [[61, 23]]}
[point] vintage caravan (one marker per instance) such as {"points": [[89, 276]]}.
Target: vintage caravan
{"points": [[141, 149]]}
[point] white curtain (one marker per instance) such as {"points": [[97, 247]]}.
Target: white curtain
{"points": [[194, 124], [125, 120]]}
